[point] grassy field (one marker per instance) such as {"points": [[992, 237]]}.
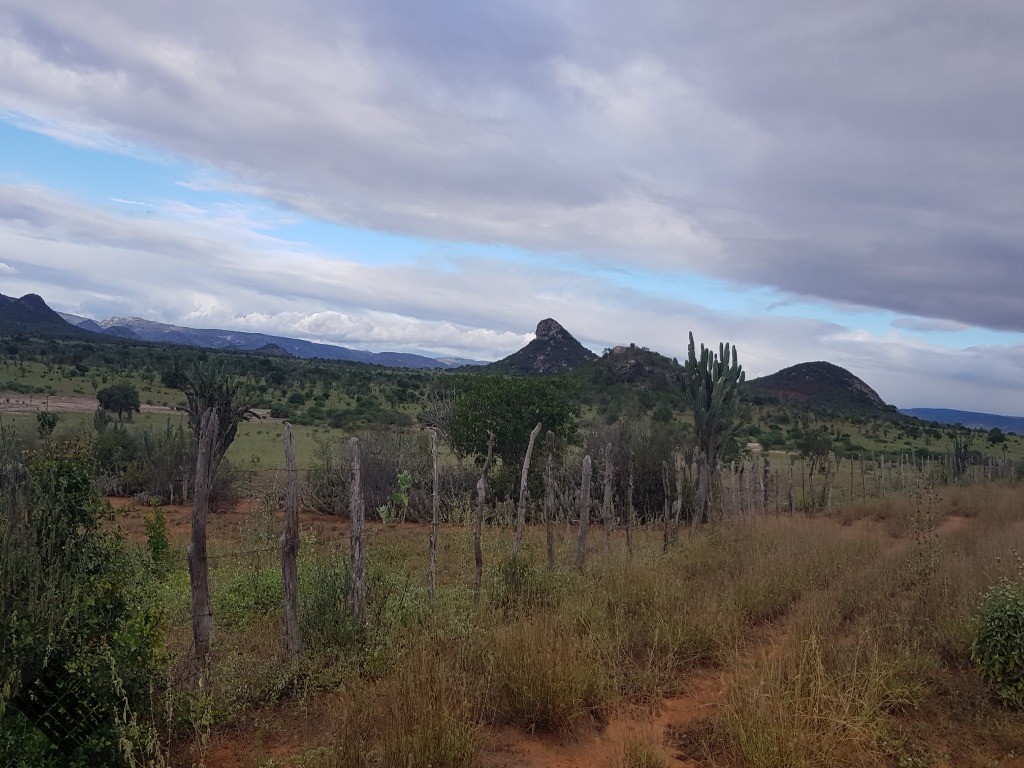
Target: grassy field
{"points": [[837, 640]]}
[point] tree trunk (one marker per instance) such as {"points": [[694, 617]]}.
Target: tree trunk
{"points": [[290, 551], [198, 567], [607, 506], [435, 504], [549, 498], [581, 541], [481, 495], [521, 513], [702, 490], [357, 536]]}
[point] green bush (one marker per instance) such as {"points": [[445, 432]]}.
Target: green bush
{"points": [[78, 618], [998, 648]]}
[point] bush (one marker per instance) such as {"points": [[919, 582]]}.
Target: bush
{"points": [[998, 648], [79, 632]]}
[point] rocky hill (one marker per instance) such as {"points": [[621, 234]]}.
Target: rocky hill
{"points": [[554, 350], [638, 367], [31, 315], [822, 387]]}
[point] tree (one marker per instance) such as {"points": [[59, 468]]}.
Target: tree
{"points": [[996, 436], [712, 385], [119, 398], [509, 407], [209, 384]]}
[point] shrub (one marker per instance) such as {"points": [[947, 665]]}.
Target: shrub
{"points": [[79, 627], [998, 648]]}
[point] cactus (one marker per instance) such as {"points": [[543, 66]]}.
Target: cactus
{"points": [[712, 385]]}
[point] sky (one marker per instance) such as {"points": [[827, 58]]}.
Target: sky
{"points": [[806, 180]]}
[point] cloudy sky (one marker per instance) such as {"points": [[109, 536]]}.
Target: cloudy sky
{"points": [[808, 180]]}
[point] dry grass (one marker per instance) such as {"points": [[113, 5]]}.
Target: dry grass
{"points": [[869, 618]]}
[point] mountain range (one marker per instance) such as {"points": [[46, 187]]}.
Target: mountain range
{"points": [[819, 385], [970, 419], [140, 329]]}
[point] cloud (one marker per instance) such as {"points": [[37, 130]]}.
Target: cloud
{"points": [[7, 269], [926, 325], [222, 272], [865, 154]]}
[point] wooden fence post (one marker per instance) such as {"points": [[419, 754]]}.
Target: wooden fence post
{"points": [[434, 514], [521, 512], [549, 498], [581, 541], [481, 495], [290, 551], [198, 566], [607, 506], [629, 508], [357, 536]]}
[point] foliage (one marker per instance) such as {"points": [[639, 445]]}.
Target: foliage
{"points": [[211, 384], [75, 609], [120, 398], [46, 422], [510, 407], [998, 648]]}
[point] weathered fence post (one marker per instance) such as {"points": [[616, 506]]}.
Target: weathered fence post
{"points": [[481, 495], [198, 567], [629, 508], [581, 541], [607, 506], [434, 513], [667, 532], [521, 512], [357, 536], [290, 551], [549, 498]]}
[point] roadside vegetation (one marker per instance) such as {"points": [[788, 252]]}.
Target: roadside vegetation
{"points": [[848, 595]]}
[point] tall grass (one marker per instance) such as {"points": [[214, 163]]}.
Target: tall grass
{"points": [[832, 636]]}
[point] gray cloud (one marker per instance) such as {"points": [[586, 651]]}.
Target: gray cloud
{"points": [[215, 272], [864, 154], [867, 154]]}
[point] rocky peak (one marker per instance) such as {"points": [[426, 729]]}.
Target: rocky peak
{"points": [[550, 329]]}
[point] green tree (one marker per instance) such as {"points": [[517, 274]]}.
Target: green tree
{"points": [[509, 407], [120, 398], [996, 436], [712, 386], [210, 384]]}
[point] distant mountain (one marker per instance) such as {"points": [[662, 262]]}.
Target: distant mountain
{"points": [[140, 329], [969, 419], [820, 386], [554, 350], [30, 314]]}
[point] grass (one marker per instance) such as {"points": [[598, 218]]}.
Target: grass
{"points": [[841, 641]]}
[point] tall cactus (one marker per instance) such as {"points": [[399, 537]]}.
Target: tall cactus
{"points": [[712, 385]]}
